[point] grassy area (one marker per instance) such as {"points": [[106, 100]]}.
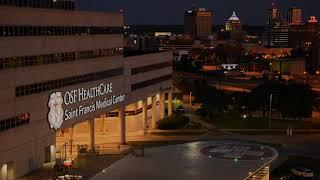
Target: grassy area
{"points": [[235, 121], [296, 161]]}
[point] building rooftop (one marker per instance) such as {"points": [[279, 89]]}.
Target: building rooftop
{"points": [[204, 160], [234, 17]]}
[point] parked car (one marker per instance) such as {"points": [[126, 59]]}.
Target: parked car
{"points": [[302, 172]]}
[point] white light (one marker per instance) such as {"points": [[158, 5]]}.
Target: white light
{"points": [[4, 172]]}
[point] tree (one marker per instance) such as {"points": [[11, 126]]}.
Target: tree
{"points": [[259, 98], [291, 100], [296, 101], [239, 100]]}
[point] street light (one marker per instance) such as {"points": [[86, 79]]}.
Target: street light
{"points": [[270, 70], [270, 118], [190, 98]]}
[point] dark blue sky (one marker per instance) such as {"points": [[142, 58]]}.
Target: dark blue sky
{"points": [[171, 11]]}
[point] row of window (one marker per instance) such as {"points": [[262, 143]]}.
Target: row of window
{"points": [[48, 4], [149, 68], [15, 62], [65, 82], [9, 31], [14, 122], [128, 113], [150, 82]]}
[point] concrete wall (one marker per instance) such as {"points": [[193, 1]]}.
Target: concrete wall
{"points": [[50, 17]]}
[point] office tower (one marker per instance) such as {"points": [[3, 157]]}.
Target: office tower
{"points": [[276, 33], [198, 22], [233, 23], [294, 16], [273, 14]]}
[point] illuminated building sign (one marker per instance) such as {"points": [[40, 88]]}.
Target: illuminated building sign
{"points": [[57, 114], [313, 19]]}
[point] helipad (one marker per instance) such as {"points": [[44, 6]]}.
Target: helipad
{"points": [[206, 160]]}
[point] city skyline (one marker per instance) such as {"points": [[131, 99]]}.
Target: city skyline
{"points": [[135, 13]]}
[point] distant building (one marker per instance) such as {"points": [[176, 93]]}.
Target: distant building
{"points": [[162, 34], [273, 14], [313, 58], [233, 23], [276, 35], [142, 43], [303, 35], [312, 24], [177, 54], [198, 22], [292, 66], [229, 66], [276, 30], [294, 16]]}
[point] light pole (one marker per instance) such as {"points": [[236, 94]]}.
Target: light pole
{"points": [[190, 98], [270, 118], [270, 71], [271, 100]]}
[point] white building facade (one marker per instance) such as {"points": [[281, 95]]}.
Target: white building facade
{"points": [[63, 78]]}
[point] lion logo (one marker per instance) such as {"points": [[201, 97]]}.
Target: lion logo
{"points": [[55, 115]]}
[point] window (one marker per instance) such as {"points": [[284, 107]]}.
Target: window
{"points": [[112, 114], [16, 62], [48, 4], [150, 82], [11, 31], [69, 81], [149, 68], [14, 122]]}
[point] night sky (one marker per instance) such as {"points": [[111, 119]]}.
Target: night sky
{"points": [[171, 11]]}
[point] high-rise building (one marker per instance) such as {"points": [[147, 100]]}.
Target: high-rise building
{"points": [[313, 58], [295, 16], [276, 30], [63, 76], [312, 24], [304, 34], [276, 35], [273, 14], [233, 23], [198, 22]]}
